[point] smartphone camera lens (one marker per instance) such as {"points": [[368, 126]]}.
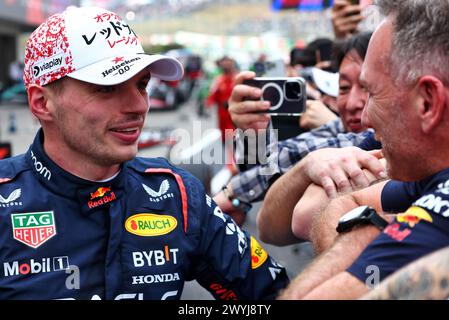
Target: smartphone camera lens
{"points": [[292, 90]]}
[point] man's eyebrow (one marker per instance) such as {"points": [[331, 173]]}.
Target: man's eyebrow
{"points": [[343, 77]]}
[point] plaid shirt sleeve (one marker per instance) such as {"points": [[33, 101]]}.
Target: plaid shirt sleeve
{"points": [[252, 185]]}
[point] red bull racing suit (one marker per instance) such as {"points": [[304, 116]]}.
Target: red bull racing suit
{"points": [[420, 227], [140, 235]]}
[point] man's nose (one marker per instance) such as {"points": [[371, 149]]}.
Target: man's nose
{"points": [[134, 101], [357, 99]]}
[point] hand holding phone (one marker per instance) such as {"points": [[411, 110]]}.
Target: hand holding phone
{"points": [[287, 95], [345, 16]]}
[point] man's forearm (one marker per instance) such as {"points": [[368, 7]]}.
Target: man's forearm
{"points": [[424, 279], [323, 231], [275, 216]]}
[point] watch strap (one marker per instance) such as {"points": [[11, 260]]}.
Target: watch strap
{"points": [[377, 219]]}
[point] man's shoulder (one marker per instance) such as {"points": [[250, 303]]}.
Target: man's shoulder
{"points": [[11, 167], [436, 183], [141, 164], [158, 170], [435, 193], [162, 166]]}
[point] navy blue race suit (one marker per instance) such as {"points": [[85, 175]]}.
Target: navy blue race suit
{"points": [[420, 227], [140, 235]]}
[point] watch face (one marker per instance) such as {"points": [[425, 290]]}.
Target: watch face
{"points": [[354, 213]]}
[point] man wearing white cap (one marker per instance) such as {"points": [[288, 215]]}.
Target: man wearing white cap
{"points": [[82, 217]]}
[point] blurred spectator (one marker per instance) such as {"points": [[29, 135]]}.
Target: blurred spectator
{"points": [[275, 221], [326, 83], [220, 92], [345, 18], [193, 70], [251, 185], [317, 54], [405, 74], [16, 72], [316, 115], [14, 91], [259, 65]]}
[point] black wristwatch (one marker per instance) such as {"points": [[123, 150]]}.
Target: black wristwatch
{"points": [[360, 215]]}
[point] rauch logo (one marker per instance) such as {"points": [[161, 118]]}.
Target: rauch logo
{"points": [[258, 254], [150, 225]]}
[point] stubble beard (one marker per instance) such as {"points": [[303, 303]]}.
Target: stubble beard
{"points": [[93, 149]]}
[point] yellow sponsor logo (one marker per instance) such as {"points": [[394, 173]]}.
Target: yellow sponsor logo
{"points": [[258, 254], [150, 225], [413, 216]]}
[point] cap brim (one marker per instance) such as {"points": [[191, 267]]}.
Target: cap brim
{"points": [[327, 82], [116, 70]]}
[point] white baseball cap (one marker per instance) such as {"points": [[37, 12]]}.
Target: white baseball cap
{"points": [[92, 45], [327, 82]]}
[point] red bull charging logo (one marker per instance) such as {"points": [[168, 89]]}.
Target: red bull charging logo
{"points": [[413, 216]]}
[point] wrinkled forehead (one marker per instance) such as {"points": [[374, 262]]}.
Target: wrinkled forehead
{"points": [[378, 53]]}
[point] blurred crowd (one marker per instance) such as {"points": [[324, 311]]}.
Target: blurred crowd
{"points": [[352, 173]]}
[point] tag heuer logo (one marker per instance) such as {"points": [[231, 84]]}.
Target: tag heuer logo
{"points": [[33, 229]]}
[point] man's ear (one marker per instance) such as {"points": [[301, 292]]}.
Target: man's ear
{"points": [[433, 102], [39, 101]]}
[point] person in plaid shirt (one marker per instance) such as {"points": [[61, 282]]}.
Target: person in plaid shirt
{"points": [[251, 185]]}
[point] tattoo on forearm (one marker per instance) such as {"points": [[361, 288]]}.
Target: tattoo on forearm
{"points": [[425, 279]]}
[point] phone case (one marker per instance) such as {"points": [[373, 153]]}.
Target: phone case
{"points": [[287, 95]]}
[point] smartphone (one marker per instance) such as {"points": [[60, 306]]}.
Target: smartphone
{"points": [[287, 95]]}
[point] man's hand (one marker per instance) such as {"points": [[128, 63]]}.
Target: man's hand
{"points": [[226, 206], [243, 110], [316, 115], [345, 18], [341, 169]]}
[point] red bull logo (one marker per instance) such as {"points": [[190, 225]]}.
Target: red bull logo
{"points": [[99, 193], [103, 194], [413, 216]]}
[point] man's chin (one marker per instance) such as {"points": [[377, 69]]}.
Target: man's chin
{"points": [[129, 155], [123, 155], [399, 172]]}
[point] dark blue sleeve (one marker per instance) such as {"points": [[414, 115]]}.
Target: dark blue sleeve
{"points": [[370, 143], [398, 196], [411, 236], [233, 264]]}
